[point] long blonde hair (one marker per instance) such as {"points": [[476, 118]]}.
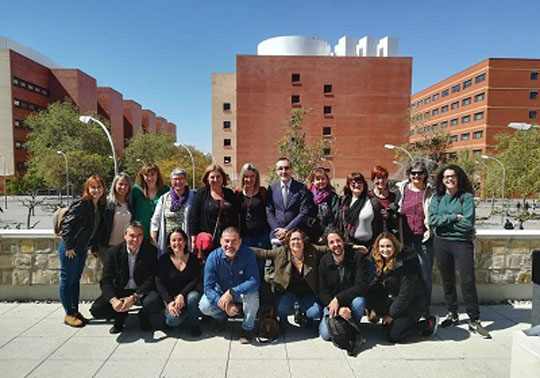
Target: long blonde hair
{"points": [[382, 265]]}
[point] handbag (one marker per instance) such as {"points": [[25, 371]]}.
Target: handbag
{"points": [[204, 241]]}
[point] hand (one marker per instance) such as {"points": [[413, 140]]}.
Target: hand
{"points": [[231, 309], [180, 302], [280, 233], [117, 305], [128, 303], [459, 217], [171, 307], [70, 253], [361, 249], [387, 320], [153, 238], [333, 307], [345, 313], [372, 315], [225, 299]]}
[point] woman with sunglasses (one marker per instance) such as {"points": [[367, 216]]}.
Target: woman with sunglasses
{"points": [[452, 216], [414, 197]]}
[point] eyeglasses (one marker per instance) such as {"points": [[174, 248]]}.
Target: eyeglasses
{"points": [[356, 182], [283, 168], [417, 173], [449, 177]]}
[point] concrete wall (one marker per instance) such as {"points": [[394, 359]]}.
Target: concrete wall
{"points": [[29, 266], [6, 116]]}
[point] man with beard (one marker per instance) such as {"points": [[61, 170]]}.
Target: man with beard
{"points": [[342, 282], [231, 279]]}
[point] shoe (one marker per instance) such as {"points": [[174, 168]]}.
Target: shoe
{"points": [[219, 325], [79, 316], [452, 319], [245, 337], [432, 324], [73, 321], [195, 331], [116, 329], [299, 316], [476, 327]]}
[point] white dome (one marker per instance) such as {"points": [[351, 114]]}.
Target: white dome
{"points": [[294, 45]]}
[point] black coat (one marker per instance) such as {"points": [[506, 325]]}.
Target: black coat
{"points": [[107, 222], [116, 269], [354, 280], [78, 224], [200, 219]]}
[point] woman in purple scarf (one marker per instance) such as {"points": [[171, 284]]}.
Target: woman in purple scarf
{"points": [[172, 209], [325, 205]]}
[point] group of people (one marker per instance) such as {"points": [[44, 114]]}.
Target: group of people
{"points": [[300, 249]]}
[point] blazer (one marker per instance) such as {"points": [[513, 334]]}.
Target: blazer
{"points": [[78, 225], [295, 214], [116, 269]]}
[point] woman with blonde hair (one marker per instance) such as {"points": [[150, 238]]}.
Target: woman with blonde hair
{"points": [[324, 210]]}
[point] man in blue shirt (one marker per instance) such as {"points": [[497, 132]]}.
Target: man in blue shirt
{"points": [[231, 278]]}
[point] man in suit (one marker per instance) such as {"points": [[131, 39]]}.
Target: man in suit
{"points": [[288, 202], [128, 279]]}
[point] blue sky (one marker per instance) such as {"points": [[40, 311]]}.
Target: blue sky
{"points": [[161, 53]]}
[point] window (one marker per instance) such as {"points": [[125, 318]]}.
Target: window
{"points": [[477, 152], [480, 78], [452, 155], [327, 151], [534, 75], [453, 138], [465, 136], [466, 101], [226, 142], [327, 110], [16, 102], [454, 122], [295, 78], [21, 165], [19, 144], [226, 124], [427, 100], [435, 111], [532, 114], [226, 160], [444, 93], [419, 104], [479, 97], [478, 134], [226, 106], [467, 83], [435, 97], [466, 119], [30, 86], [435, 126], [411, 132], [533, 95], [413, 106], [327, 89], [327, 131], [295, 99], [455, 105], [16, 80], [444, 109], [22, 84], [455, 88], [478, 116], [426, 115], [444, 125]]}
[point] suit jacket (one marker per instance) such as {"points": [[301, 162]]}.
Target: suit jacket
{"points": [[295, 214], [116, 269]]}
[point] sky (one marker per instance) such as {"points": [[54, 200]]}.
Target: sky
{"points": [[162, 53]]}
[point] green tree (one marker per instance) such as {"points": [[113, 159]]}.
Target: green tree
{"points": [[86, 146], [304, 156], [24, 184], [182, 160], [148, 147]]}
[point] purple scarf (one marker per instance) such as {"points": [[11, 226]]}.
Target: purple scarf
{"points": [[178, 201], [320, 196]]}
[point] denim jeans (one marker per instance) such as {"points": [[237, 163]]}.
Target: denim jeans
{"points": [[70, 277], [285, 306], [425, 255], [357, 310], [250, 306], [189, 312]]}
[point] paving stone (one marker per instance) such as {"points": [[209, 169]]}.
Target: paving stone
{"points": [[17, 368], [31, 348], [67, 368], [382, 368], [195, 369], [320, 369], [50, 327], [92, 348], [263, 368], [141, 368], [443, 368], [144, 349]]}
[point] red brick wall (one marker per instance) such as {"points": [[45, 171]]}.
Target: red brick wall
{"points": [[148, 120], [132, 118], [80, 87], [112, 104]]}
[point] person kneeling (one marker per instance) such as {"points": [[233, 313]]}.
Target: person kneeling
{"points": [[396, 293], [128, 278], [231, 276], [342, 283]]}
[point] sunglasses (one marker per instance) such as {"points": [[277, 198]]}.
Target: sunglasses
{"points": [[417, 173]]}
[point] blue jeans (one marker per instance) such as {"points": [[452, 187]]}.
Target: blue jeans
{"points": [[70, 277], [357, 309], [285, 306], [425, 257], [250, 306], [189, 312]]}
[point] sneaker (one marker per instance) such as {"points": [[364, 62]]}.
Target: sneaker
{"points": [[476, 327], [73, 321], [116, 329], [452, 319], [245, 337], [219, 325], [432, 324]]}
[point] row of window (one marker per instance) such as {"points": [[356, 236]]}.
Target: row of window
{"points": [[466, 136], [454, 105], [444, 124], [453, 155], [30, 86], [27, 105], [295, 79], [19, 123], [19, 144]]}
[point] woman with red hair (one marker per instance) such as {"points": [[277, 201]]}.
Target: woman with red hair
{"points": [[384, 203]]}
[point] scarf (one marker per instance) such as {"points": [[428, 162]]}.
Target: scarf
{"points": [[320, 196], [350, 214], [178, 201]]}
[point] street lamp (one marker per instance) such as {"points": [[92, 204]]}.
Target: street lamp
{"points": [[394, 147], [67, 172], [192, 161], [88, 120], [487, 157], [523, 126], [5, 189], [333, 169]]}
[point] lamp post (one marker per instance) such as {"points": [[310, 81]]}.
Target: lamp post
{"points": [[523, 126], [331, 163], [394, 147], [503, 181], [5, 189], [192, 161], [67, 172], [88, 120]]}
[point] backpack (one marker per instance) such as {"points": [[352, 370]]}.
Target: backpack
{"points": [[268, 325], [344, 334], [58, 219]]}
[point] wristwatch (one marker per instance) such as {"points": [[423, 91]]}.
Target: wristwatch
{"points": [[231, 291]]}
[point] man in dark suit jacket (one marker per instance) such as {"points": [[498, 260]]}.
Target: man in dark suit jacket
{"points": [[290, 212], [128, 278]]}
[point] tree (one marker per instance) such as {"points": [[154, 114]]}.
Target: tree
{"points": [[304, 156], [148, 147], [183, 161], [58, 128], [24, 184]]}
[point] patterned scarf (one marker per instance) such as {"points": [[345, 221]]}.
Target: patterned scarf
{"points": [[320, 195]]}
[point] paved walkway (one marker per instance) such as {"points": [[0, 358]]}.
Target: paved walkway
{"points": [[35, 343]]}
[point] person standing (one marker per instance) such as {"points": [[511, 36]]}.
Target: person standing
{"points": [[384, 203], [324, 210], [452, 215]]}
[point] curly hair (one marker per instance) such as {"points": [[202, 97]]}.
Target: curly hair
{"points": [[289, 233], [463, 183], [382, 266]]}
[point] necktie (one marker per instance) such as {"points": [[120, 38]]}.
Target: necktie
{"points": [[284, 194]]}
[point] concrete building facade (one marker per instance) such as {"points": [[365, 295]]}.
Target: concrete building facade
{"points": [[478, 103]]}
